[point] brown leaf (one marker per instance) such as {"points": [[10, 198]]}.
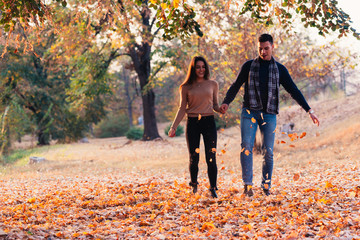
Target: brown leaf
{"points": [[296, 176]]}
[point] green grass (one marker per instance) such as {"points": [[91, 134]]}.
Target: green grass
{"points": [[20, 157]]}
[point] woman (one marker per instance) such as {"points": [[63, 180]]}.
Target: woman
{"points": [[198, 99]]}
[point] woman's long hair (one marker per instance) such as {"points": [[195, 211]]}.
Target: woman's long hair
{"points": [[191, 75]]}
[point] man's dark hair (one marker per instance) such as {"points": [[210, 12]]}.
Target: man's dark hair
{"points": [[266, 37]]}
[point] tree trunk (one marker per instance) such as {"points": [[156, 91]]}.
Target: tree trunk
{"points": [[130, 113], [141, 58], [126, 78], [150, 126], [148, 101], [5, 141], [43, 138]]}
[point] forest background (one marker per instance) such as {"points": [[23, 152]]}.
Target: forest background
{"points": [[96, 68]]}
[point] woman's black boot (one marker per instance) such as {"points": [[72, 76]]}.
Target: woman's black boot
{"points": [[213, 192], [194, 186]]}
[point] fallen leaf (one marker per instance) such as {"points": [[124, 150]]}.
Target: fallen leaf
{"points": [[208, 226], [296, 176], [328, 185]]}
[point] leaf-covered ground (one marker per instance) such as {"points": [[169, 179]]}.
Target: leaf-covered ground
{"points": [[115, 189], [310, 204]]}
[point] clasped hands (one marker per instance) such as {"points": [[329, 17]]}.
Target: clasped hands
{"points": [[223, 108]]}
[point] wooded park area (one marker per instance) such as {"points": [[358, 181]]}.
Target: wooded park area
{"points": [[67, 66]]}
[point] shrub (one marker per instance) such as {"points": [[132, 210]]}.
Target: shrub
{"points": [[179, 130], [224, 122], [112, 126], [135, 133]]}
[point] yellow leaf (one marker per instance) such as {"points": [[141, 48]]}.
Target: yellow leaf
{"points": [[247, 152], [31, 200], [208, 226], [253, 120], [176, 3], [197, 150], [328, 185], [199, 117], [164, 5]]}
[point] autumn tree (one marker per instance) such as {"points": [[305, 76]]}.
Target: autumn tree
{"points": [[37, 82], [129, 31], [26, 81], [130, 28], [235, 42], [324, 15]]}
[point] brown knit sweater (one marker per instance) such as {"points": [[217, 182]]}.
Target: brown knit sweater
{"points": [[198, 98]]}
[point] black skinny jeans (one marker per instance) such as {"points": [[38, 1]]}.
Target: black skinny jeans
{"points": [[207, 128]]}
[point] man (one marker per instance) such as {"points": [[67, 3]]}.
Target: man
{"points": [[262, 77]]}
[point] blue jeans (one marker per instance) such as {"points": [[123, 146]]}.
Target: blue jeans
{"points": [[250, 120]]}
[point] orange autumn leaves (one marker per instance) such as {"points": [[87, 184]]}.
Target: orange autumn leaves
{"points": [[293, 137], [223, 151], [246, 152], [161, 206]]}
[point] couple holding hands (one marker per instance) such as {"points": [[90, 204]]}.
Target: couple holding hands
{"points": [[262, 77]]}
